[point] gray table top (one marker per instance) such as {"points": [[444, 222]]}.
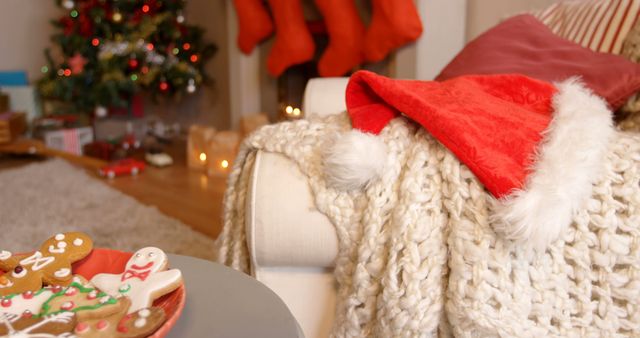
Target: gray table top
{"points": [[222, 302]]}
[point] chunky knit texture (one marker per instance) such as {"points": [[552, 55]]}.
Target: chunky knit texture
{"points": [[418, 256]]}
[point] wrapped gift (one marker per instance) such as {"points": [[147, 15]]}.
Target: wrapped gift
{"points": [[71, 140], [12, 125], [197, 143], [221, 152], [24, 99], [252, 122], [4, 102]]}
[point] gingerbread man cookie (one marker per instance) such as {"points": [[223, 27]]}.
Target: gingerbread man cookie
{"points": [[51, 265], [120, 324], [86, 302], [60, 326], [144, 279]]}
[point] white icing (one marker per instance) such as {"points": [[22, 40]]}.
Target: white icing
{"points": [[157, 281], [4, 255], [19, 274], [66, 305], [104, 299], [62, 244], [144, 313], [124, 287], [37, 260], [8, 285], [78, 242], [64, 272], [20, 305], [59, 237], [52, 249], [140, 322]]}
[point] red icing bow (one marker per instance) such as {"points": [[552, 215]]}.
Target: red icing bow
{"points": [[131, 274]]}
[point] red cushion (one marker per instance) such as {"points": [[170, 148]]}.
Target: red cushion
{"points": [[524, 45]]}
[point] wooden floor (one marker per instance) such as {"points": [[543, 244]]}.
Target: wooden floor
{"points": [[183, 193]]}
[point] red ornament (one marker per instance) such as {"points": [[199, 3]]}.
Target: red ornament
{"points": [[150, 46], [67, 72], [194, 58], [145, 9], [133, 63], [164, 85], [95, 42], [186, 46]]}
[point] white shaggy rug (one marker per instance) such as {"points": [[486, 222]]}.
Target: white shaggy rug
{"points": [[42, 199]]}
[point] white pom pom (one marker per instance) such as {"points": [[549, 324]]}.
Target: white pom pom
{"points": [[354, 160]]}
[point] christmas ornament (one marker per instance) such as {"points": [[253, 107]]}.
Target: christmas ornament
{"points": [[133, 62], [394, 23], [191, 86], [180, 18], [346, 37], [100, 111], [536, 147], [254, 23], [76, 63], [293, 44], [68, 4], [116, 17]]}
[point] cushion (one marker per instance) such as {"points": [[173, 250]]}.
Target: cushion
{"points": [[522, 44], [600, 25]]}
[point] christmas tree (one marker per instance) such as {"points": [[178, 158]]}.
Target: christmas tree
{"points": [[107, 51]]}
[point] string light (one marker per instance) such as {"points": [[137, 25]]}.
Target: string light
{"points": [[134, 77], [164, 86], [95, 42], [186, 46], [74, 13], [180, 18], [67, 72], [175, 51], [44, 69], [60, 72], [194, 58], [191, 87], [68, 4], [133, 63], [150, 46], [145, 9], [144, 69], [203, 157], [116, 17]]}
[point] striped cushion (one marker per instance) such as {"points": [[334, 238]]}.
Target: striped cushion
{"points": [[600, 25]]}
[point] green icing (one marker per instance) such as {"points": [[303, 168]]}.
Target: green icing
{"points": [[46, 307]]}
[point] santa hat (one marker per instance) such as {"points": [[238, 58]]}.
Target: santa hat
{"points": [[536, 147]]}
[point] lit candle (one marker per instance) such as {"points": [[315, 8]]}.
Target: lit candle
{"points": [[197, 143], [221, 151]]}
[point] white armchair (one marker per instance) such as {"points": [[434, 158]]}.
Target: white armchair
{"points": [[291, 244]]}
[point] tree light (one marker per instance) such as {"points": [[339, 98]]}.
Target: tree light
{"points": [[224, 164], [95, 42], [194, 58], [145, 8], [74, 13], [116, 17], [203, 157]]}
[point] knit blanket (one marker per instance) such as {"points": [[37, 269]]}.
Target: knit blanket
{"points": [[418, 256]]}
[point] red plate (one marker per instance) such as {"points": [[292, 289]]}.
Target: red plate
{"points": [[113, 261]]}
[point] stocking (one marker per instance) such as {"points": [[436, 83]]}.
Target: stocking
{"points": [[346, 37], [293, 44], [393, 24], [254, 23]]}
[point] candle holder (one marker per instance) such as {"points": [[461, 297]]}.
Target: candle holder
{"points": [[197, 144], [221, 152]]}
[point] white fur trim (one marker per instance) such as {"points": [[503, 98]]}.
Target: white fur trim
{"points": [[354, 160], [569, 160]]}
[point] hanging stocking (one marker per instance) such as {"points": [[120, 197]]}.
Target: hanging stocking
{"points": [[346, 37], [294, 43], [394, 23], [254, 23]]}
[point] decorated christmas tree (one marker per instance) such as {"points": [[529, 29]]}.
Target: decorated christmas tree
{"points": [[108, 51]]}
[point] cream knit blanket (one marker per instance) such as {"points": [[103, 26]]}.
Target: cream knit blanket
{"points": [[418, 257]]}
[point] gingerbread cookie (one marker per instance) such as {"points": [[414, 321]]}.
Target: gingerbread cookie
{"points": [[86, 302], [51, 265], [28, 302], [144, 279], [120, 324], [60, 325]]}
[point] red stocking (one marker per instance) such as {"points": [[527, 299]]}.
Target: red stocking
{"points": [[293, 43], [393, 24], [346, 37], [254, 23]]}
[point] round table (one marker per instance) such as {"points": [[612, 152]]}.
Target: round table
{"points": [[222, 302]]}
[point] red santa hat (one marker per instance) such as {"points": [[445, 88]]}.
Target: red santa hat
{"points": [[536, 147]]}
